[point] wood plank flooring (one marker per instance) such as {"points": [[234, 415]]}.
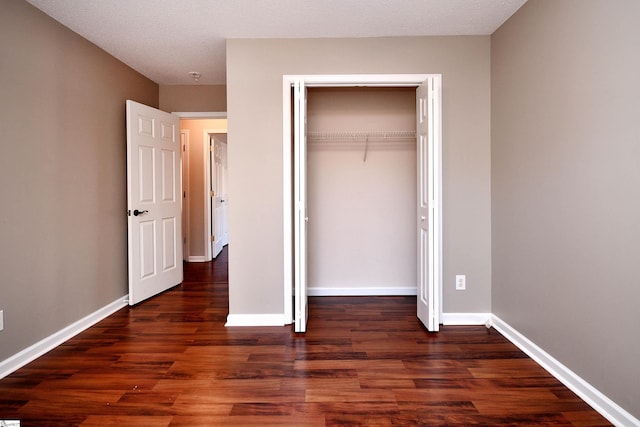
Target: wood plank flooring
{"points": [[365, 361]]}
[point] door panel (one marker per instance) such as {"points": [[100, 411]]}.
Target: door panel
{"points": [[169, 164], [170, 251], [146, 160], [147, 255], [428, 235], [300, 207], [154, 201]]}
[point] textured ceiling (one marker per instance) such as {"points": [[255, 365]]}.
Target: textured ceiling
{"points": [[166, 39]]}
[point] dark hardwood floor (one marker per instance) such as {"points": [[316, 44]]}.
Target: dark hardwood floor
{"points": [[365, 361]]}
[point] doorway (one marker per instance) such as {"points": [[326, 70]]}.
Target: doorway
{"points": [[218, 195], [361, 191], [429, 197], [197, 130]]}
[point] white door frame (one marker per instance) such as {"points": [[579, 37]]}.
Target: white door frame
{"points": [[184, 136], [191, 115], [338, 80]]}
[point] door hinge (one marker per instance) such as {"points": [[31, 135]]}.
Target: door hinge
{"points": [[213, 194], [213, 238], [211, 148]]}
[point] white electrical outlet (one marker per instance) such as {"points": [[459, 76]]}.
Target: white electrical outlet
{"points": [[461, 282], [1, 320]]}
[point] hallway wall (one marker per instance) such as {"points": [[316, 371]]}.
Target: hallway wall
{"points": [[199, 98]]}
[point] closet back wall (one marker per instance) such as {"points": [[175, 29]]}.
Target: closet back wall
{"points": [[361, 230]]}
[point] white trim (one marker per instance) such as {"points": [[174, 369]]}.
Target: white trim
{"points": [[256, 320], [324, 291], [198, 259], [596, 399], [466, 319], [31, 353], [287, 196], [200, 115], [438, 178], [333, 80], [350, 80]]}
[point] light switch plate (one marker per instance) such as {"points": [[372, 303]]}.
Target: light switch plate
{"points": [[1, 320]]}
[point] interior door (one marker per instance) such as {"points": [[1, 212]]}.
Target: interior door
{"points": [[300, 206], [217, 197], [224, 197], [154, 201], [428, 228], [184, 141]]}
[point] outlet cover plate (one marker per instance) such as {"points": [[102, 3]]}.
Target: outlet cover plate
{"points": [[461, 282]]}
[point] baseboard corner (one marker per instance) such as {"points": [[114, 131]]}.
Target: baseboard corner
{"points": [[613, 412], [461, 319], [255, 320]]}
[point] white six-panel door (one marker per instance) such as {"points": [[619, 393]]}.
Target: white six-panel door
{"points": [[154, 201]]}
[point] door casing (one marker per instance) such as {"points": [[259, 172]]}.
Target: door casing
{"points": [[190, 115], [344, 80]]}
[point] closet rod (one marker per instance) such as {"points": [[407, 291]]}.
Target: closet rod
{"points": [[357, 135]]}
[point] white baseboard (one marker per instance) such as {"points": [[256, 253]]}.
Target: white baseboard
{"points": [[31, 353], [466, 319], [325, 291], [256, 320], [198, 259], [598, 401]]}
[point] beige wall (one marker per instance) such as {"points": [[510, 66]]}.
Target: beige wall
{"points": [[63, 227], [255, 70], [362, 213], [566, 193], [198, 150], [198, 98]]}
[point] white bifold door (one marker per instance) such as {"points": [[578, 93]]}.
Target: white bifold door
{"points": [[300, 218], [428, 228], [428, 201], [154, 202]]}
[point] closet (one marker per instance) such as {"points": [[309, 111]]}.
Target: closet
{"points": [[361, 189]]}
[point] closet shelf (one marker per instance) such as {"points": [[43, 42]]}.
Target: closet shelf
{"points": [[398, 139], [348, 136]]}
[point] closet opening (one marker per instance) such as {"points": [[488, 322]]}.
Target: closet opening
{"points": [[362, 168], [361, 191]]}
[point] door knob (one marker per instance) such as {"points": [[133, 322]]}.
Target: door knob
{"points": [[137, 212]]}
